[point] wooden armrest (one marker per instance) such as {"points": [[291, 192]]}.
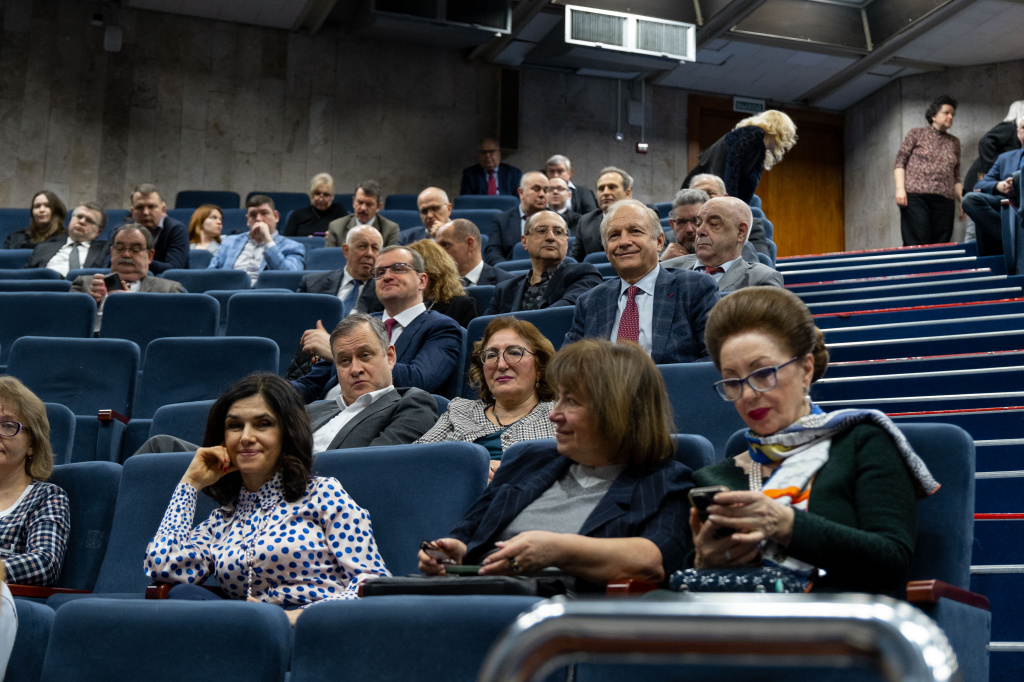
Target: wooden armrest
{"points": [[629, 587], [111, 415], [930, 591], [39, 592]]}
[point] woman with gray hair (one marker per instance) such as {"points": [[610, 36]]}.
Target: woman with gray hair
{"points": [[316, 217]]}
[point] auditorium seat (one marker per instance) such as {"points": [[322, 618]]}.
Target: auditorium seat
{"points": [[596, 257], [13, 220], [195, 198], [199, 281], [482, 218], [694, 451], [499, 202], [401, 202], [234, 221], [142, 317], [513, 265], [14, 258], [87, 272], [186, 421], [519, 252], [34, 624], [190, 368], [182, 215], [44, 313], [199, 259], [284, 280], [310, 243], [483, 293], [116, 217], [168, 641], [281, 317], [62, 431], [19, 285], [30, 273], [224, 295], [663, 208], [696, 407], [406, 219], [345, 200], [325, 259]]}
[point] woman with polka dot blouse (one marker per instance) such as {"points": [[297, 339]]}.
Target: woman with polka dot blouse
{"points": [[281, 535]]}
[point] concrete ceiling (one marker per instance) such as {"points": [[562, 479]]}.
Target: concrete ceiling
{"points": [[822, 53]]}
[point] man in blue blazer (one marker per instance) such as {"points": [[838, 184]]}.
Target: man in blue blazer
{"points": [[982, 205], [664, 311], [506, 229], [460, 238], [427, 343], [262, 247], [476, 178], [551, 282]]}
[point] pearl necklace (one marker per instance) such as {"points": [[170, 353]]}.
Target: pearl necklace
{"points": [[754, 475]]}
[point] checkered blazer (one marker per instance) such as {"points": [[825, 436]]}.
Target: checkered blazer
{"points": [[465, 420], [34, 536]]}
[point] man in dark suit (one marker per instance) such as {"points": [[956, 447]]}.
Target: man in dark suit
{"points": [[982, 204], [80, 248], [506, 230], [683, 219], [489, 175], [583, 199], [723, 226], [366, 204], [664, 311], [170, 236], [361, 248], [427, 343], [613, 184], [559, 196], [435, 210], [551, 281], [461, 239]]}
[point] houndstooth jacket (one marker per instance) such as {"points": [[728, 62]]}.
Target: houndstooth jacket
{"points": [[465, 420]]}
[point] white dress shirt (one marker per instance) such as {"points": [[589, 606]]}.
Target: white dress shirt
{"points": [[644, 305], [347, 282], [61, 261], [474, 275], [326, 433]]}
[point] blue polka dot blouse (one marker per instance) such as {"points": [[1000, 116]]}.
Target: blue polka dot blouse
{"points": [[319, 547]]}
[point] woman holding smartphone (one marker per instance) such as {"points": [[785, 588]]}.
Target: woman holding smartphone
{"points": [[257, 466], [854, 529]]}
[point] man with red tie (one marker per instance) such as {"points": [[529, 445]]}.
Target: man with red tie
{"points": [[723, 227], [664, 311], [489, 175]]}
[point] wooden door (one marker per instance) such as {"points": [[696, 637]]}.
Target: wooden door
{"points": [[803, 195]]}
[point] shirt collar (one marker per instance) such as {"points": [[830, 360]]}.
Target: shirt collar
{"points": [[474, 274], [366, 399], [646, 282], [725, 266], [406, 317]]}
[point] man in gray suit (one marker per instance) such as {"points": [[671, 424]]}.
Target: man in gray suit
{"points": [[723, 226], [131, 253], [366, 205]]}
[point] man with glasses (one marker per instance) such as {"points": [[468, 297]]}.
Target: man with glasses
{"points": [[683, 218], [723, 225], [551, 282], [80, 248], [131, 255], [170, 236], [489, 175], [613, 184], [582, 200], [262, 247], [435, 210], [426, 342], [506, 230], [559, 196]]}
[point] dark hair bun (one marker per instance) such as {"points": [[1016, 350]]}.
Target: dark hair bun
{"points": [[820, 355]]}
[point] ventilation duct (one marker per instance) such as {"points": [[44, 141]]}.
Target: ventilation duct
{"points": [[630, 33]]}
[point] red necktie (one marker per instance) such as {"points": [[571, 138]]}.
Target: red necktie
{"points": [[712, 270], [629, 323], [492, 182], [389, 324]]}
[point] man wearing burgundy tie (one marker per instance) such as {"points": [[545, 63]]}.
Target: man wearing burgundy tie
{"points": [[490, 175], [723, 227], [426, 342], [664, 311]]}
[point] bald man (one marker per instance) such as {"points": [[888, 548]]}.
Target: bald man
{"points": [[723, 226], [435, 210], [507, 228]]}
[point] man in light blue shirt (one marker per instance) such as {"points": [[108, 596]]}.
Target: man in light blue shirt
{"points": [[262, 247]]}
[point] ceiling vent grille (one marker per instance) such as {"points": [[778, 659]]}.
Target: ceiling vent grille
{"points": [[630, 33]]}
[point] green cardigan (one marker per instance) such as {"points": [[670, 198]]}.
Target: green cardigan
{"points": [[861, 518]]}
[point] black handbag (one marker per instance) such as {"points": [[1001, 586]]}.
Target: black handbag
{"points": [[529, 586]]}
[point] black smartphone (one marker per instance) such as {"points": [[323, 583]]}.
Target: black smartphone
{"points": [[435, 552], [702, 498], [113, 282]]}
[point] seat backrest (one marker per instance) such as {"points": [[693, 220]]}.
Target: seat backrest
{"points": [[116, 217], [483, 293], [403, 635], [694, 451], [75, 273], [325, 259], [696, 407], [310, 243], [596, 257], [199, 259], [86, 375], [128, 639], [12, 259], [14, 219], [405, 218], [498, 202], [196, 198], [278, 279], [426, 491], [186, 421], [44, 313], [58, 285], [186, 368], [34, 624], [281, 317], [400, 202], [234, 221], [198, 281], [514, 265], [62, 431], [33, 273], [147, 483], [92, 492], [142, 317]]}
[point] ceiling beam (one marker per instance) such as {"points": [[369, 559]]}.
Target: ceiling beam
{"points": [[522, 14], [732, 14], [884, 51]]}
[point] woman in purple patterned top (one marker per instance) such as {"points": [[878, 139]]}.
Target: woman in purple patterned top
{"points": [[927, 176]]}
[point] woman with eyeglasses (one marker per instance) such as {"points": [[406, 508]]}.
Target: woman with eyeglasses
{"points": [[822, 501], [508, 368], [317, 217], [35, 516]]}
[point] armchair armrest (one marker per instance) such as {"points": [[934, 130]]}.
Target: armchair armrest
{"points": [[930, 591], [629, 587], [110, 415], [39, 592]]}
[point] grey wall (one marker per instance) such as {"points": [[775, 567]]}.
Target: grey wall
{"points": [[192, 104], [876, 125]]}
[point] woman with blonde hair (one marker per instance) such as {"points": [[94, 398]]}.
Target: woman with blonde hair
{"points": [[756, 144], [316, 217], [444, 293], [205, 227]]}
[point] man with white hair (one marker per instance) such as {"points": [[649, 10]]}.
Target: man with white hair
{"points": [[583, 199], [722, 228]]}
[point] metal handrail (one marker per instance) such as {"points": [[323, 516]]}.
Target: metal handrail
{"points": [[894, 638]]}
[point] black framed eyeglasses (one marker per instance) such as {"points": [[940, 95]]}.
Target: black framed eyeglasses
{"points": [[761, 380], [397, 268], [10, 429], [513, 355]]}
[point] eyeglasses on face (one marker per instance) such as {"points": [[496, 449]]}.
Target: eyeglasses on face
{"points": [[543, 230], [761, 380], [397, 268], [10, 429], [513, 355]]}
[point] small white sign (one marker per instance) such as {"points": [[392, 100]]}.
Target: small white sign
{"points": [[747, 105]]}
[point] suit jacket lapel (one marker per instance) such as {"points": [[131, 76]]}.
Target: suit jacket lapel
{"points": [[381, 403], [733, 277], [607, 308], [408, 334], [664, 313], [615, 503], [554, 290], [322, 413]]}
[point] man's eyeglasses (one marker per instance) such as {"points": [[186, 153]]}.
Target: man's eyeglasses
{"points": [[134, 248], [10, 429], [397, 268], [543, 231], [513, 355], [695, 221], [761, 380], [84, 218]]}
